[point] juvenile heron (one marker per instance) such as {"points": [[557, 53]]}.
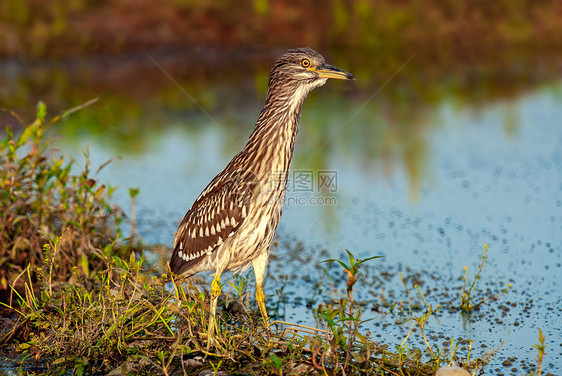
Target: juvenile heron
{"points": [[232, 222]]}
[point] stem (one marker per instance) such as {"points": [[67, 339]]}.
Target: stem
{"points": [[133, 218], [349, 335]]}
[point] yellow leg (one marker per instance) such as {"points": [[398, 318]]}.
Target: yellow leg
{"points": [[215, 293], [260, 263], [260, 298]]}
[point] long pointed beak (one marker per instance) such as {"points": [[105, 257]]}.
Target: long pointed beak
{"points": [[329, 71]]}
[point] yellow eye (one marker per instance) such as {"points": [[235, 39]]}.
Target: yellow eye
{"points": [[305, 63]]}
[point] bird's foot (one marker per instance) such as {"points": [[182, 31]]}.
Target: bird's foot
{"points": [[215, 293], [260, 298]]}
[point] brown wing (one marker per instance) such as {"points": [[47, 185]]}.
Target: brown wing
{"points": [[218, 213]]}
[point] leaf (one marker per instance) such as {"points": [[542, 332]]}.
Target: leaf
{"points": [[278, 363], [541, 336], [367, 259], [328, 319], [72, 110], [133, 192], [23, 346], [16, 116], [58, 361], [85, 264], [27, 133], [100, 190], [90, 182], [351, 258], [41, 111], [339, 262], [104, 164], [362, 338]]}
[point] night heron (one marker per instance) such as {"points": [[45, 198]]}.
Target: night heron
{"points": [[232, 223]]}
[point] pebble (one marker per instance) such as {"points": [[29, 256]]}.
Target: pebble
{"points": [[451, 371], [210, 372]]}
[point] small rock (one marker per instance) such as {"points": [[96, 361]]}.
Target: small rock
{"points": [[128, 368], [303, 369], [210, 372], [194, 362], [451, 371]]}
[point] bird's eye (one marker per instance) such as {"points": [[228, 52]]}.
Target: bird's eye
{"points": [[305, 63]]}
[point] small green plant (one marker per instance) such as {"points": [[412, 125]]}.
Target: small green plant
{"points": [[351, 270], [216, 367], [540, 357], [346, 312], [416, 302], [276, 362], [420, 322], [467, 303]]}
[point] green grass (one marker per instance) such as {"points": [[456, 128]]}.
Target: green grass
{"points": [[151, 323], [41, 198], [469, 294]]}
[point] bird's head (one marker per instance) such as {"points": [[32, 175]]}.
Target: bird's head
{"points": [[302, 69]]}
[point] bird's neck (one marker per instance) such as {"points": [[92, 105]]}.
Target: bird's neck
{"points": [[273, 139]]}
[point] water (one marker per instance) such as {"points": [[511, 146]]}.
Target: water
{"points": [[426, 184]]}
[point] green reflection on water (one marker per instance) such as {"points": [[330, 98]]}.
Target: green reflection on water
{"points": [[383, 119]]}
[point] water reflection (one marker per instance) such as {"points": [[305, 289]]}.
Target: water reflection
{"points": [[142, 114]]}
